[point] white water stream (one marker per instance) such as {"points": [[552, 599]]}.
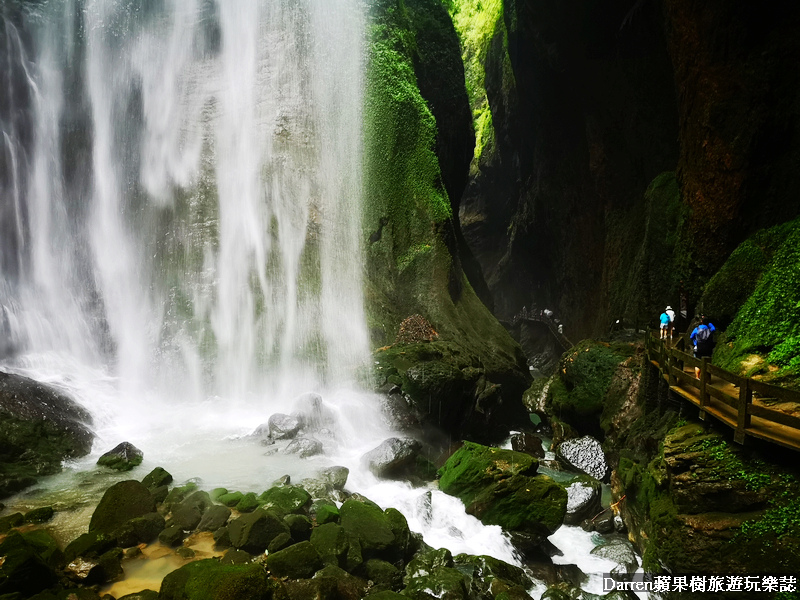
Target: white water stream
{"points": [[181, 235]]}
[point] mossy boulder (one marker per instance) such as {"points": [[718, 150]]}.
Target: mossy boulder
{"points": [[247, 503], [450, 386], [325, 512], [380, 534], [254, 531], [39, 428], [300, 527], [46, 547], [93, 543], [215, 517], [156, 478], [501, 487], [433, 574], [8, 522], [285, 500], [230, 499], [211, 580], [331, 543], [298, 561], [120, 503], [23, 571], [123, 457]]}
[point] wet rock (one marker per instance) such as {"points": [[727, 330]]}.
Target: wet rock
{"points": [[348, 587], [604, 523], [500, 487], [325, 512], [39, 515], [400, 412], [230, 499], [23, 571], [215, 517], [217, 580], [283, 427], [217, 493], [46, 547], [286, 500], [156, 478], [368, 524], [432, 574], [392, 458], [171, 536], [328, 483], [121, 502], [254, 531], [298, 561], [122, 457], [583, 500], [304, 447], [93, 543], [299, 526], [279, 542], [331, 543], [10, 521], [179, 493], [40, 427], [141, 530], [620, 552], [236, 557], [584, 454], [247, 503], [185, 552], [527, 443], [310, 410]]}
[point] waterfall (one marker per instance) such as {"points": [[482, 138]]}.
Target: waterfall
{"points": [[182, 222]]}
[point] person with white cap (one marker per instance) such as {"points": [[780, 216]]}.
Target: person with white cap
{"points": [[671, 314]]}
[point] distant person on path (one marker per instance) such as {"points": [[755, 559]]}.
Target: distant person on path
{"points": [[703, 339], [664, 319], [671, 315]]}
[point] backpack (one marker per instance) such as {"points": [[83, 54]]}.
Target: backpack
{"points": [[703, 337]]}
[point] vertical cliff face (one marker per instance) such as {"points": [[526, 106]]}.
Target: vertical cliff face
{"points": [[583, 117], [739, 98]]}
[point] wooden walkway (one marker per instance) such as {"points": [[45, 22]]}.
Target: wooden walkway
{"points": [[750, 407], [540, 317]]}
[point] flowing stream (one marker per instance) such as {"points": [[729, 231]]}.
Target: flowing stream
{"points": [[180, 251]]}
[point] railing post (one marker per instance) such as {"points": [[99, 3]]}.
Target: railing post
{"points": [[745, 398], [670, 363], [703, 389]]}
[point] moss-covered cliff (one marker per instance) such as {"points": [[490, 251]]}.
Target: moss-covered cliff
{"points": [[413, 266]]}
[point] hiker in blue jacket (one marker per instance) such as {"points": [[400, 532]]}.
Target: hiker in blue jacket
{"points": [[664, 319], [703, 339]]}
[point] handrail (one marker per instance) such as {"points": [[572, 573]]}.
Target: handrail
{"points": [[540, 317], [671, 362]]}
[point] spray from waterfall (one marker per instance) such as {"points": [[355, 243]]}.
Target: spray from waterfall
{"points": [[184, 222]]}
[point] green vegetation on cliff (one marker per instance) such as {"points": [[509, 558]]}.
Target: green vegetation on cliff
{"points": [[412, 264], [762, 276]]}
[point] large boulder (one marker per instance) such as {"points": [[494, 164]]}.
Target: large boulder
{"points": [[283, 426], [304, 447], [392, 458], [501, 487], [253, 532], [298, 561], [23, 571], [583, 500], [285, 500], [369, 525], [121, 502], [310, 410], [39, 428], [212, 580], [585, 455]]}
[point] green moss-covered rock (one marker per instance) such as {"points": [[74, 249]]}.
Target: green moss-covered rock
{"points": [[300, 526], [46, 547], [140, 530], [212, 580], [22, 570], [39, 515], [156, 478], [121, 502], [39, 429], [383, 574], [247, 503], [331, 543], [577, 396], [500, 488], [8, 522], [432, 575], [215, 517], [368, 524], [230, 499], [123, 457], [325, 512], [254, 531], [285, 500], [298, 561], [179, 493], [93, 543]]}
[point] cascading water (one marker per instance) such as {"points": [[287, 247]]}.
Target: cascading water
{"points": [[203, 240], [181, 231]]}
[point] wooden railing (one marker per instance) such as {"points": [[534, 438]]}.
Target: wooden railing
{"points": [[540, 317], [717, 388]]}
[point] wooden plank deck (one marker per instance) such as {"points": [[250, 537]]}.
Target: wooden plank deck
{"points": [[724, 398]]}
